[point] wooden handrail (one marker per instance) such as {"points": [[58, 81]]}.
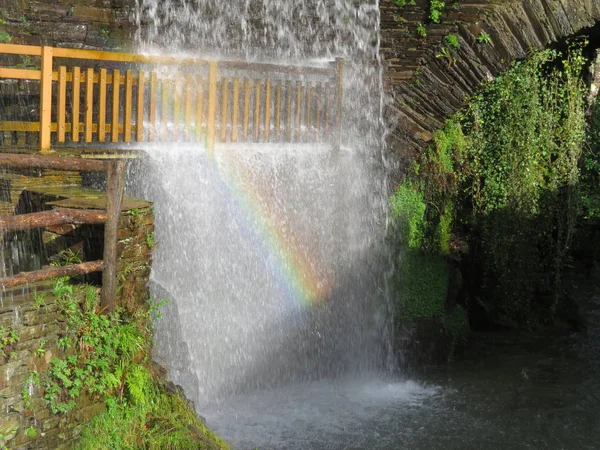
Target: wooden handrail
{"points": [[115, 170], [51, 272], [133, 102]]}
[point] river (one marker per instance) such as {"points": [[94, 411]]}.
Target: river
{"points": [[506, 391]]}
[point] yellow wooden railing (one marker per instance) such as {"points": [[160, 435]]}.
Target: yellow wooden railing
{"points": [[96, 97]]}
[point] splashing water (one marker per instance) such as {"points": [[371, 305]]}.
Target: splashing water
{"points": [[271, 255]]}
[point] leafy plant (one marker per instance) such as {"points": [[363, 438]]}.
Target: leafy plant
{"points": [[150, 240], [421, 30], [39, 298], [484, 38], [5, 38], [41, 349], [452, 41], [8, 338], [100, 350], [436, 9], [67, 257]]}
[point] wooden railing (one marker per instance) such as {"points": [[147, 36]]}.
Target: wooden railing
{"points": [[115, 183], [95, 97]]}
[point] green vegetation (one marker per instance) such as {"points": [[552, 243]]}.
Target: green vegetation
{"points": [[150, 240], [452, 41], [5, 38], [436, 9], [484, 38], [421, 30], [107, 357], [8, 338], [504, 186]]}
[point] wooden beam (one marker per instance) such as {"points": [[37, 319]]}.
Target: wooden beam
{"points": [[212, 107], [51, 272], [116, 83], [75, 107], [21, 160], [89, 103], [62, 103], [339, 67], [114, 195], [102, 106], [15, 49], [20, 74], [139, 122], [58, 216], [46, 99]]}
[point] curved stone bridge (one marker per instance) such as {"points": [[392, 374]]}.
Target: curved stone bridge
{"points": [[426, 89]]}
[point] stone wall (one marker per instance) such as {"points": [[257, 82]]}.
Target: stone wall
{"points": [[100, 24], [426, 86], [38, 324]]}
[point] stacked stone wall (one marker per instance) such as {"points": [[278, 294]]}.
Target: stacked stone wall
{"points": [[426, 86]]}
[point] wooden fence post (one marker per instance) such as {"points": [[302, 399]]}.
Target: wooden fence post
{"points": [[114, 196], [212, 107], [339, 68], [46, 99]]}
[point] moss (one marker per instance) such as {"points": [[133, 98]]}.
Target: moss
{"points": [[408, 214], [423, 286], [152, 419]]}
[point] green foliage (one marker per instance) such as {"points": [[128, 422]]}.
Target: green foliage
{"points": [[153, 419], [41, 348], [150, 240], [8, 338], [39, 298], [32, 433], [407, 208], [424, 283], [100, 350], [484, 38], [400, 3], [67, 257], [452, 41], [5, 38], [421, 30], [436, 9], [105, 357]]}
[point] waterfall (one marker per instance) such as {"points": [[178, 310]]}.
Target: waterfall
{"points": [[270, 256]]}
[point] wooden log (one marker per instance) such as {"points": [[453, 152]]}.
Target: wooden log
{"points": [[116, 184], [51, 272], [58, 216], [26, 161], [139, 122]]}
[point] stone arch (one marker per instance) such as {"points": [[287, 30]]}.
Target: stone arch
{"points": [[425, 89]]}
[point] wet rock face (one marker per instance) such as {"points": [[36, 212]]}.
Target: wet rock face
{"points": [[427, 85], [100, 24]]}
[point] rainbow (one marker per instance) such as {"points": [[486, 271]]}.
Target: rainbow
{"points": [[298, 269]]}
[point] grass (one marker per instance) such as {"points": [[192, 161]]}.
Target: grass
{"points": [[159, 421]]}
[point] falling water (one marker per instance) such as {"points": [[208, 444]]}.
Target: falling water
{"points": [[271, 256]]}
